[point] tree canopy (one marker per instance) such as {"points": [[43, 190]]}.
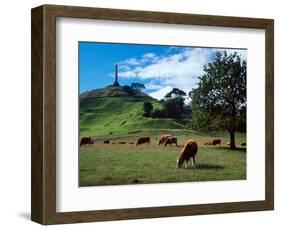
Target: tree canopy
{"points": [[129, 90], [219, 101], [137, 86], [175, 92], [147, 107], [174, 103]]}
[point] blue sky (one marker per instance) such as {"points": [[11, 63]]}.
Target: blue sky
{"points": [[159, 68]]}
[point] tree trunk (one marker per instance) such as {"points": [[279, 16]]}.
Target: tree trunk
{"points": [[232, 140]]}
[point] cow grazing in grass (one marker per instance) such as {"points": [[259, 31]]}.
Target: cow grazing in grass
{"points": [[216, 142], [106, 142], [143, 140], [122, 142], [163, 139], [189, 151], [86, 140], [207, 143], [171, 140], [131, 143], [243, 144]]}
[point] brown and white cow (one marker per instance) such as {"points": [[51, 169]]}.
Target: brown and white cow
{"points": [[86, 140], [143, 140], [189, 151], [171, 140], [163, 139]]}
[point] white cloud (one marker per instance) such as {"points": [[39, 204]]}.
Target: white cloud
{"points": [[178, 70], [241, 52], [149, 58], [149, 55], [160, 93], [124, 68], [170, 70], [133, 62], [153, 86], [130, 61]]}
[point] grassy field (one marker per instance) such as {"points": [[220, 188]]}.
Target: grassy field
{"points": [[120, 118], [115, 164], [119, 115]]}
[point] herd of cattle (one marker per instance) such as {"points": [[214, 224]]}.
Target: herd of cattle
{"points": [[164, 140], [187, 154]]}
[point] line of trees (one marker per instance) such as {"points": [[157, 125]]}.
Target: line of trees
{"points": [[137, 86], [173, 106], [134, 88]]}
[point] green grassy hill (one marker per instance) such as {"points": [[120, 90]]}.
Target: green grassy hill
{"points": [[110, 113], [111, 110], [119, 115]]}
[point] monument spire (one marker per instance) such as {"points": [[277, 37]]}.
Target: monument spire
{"points": [[116, 83]]}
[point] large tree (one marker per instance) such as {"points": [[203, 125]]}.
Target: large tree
{"points": [[147, 107], [174, 103], [174, 93], [220, 99]]}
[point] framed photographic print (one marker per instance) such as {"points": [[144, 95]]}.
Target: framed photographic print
{"points": [[140, 114]]}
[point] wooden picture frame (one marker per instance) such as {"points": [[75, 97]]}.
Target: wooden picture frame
{"points": [[43, 189]]}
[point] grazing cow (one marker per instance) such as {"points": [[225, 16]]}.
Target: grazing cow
{"points": [[106, 142], [86, 140], [207, 143], [113, 143], [243, 143], [143, 140], [171, 140], [122, 142], [189, 151], [163, 139], [216, 142], [131, 143]]}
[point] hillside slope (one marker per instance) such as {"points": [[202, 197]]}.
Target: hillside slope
{"points": [[101, 116]]}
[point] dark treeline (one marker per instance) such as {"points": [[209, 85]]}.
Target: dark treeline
{"points": [[173, 106]]}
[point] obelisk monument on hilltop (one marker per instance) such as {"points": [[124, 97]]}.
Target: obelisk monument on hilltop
{"points": [[116, 83]]}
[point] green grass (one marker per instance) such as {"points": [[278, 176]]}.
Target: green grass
{"points": [[120, 119], [100, 116], [117, 164]]}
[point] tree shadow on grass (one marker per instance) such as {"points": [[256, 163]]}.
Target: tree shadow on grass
{"points": [[209, 166], [204, 166], [237, 149]]}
